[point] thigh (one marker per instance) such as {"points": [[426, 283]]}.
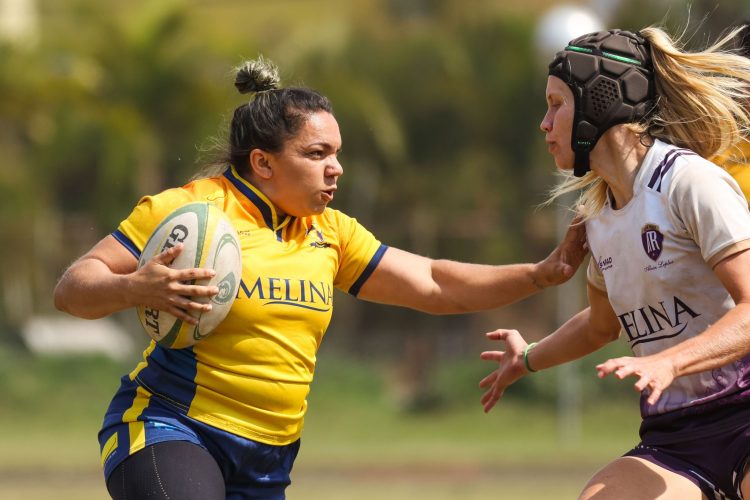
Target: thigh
{"points": [[632, 477], [169, 469]]}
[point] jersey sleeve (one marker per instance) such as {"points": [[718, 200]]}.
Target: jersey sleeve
{"points": [[133, 232], [713, 210], [360, 254]]}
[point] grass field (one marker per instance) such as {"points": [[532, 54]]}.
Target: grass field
{"points": [[357, 444]]}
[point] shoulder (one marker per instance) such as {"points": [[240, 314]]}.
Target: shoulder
{"points": [[661, 163], [335, 219], [207, 189], [344, 229], [695, 173]]}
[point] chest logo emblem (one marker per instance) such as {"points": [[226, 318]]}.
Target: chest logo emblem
{"points": [[321, 242], [652, 240]]}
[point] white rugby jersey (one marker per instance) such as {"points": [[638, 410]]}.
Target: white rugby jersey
{"points": [[654, 259]]}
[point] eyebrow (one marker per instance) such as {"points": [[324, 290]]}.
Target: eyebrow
{"points": [[323, 144], [319, 143]]}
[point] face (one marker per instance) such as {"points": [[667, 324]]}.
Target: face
{"points": [[305, 171], [558, 122]]}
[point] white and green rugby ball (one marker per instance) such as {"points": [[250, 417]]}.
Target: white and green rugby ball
{"points": [[209, 241]]}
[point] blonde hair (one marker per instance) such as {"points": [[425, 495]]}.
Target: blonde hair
{"points": [[703, 104]]}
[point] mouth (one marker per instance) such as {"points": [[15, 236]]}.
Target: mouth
{"points": [[328, 194]]}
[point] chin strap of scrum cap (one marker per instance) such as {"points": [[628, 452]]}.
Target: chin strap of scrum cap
{"points": [[611, 76]]}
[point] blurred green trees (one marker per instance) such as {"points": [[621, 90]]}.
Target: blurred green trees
{"points": [[438, 100]]}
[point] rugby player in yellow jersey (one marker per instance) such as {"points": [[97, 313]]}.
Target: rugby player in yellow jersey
{"points": [[736, 161], [222, 419]]}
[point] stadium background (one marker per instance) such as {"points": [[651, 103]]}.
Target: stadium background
{"points": [[439, 103]]}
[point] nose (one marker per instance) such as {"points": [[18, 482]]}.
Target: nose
{"points": [[546, 125], [334, 168]]}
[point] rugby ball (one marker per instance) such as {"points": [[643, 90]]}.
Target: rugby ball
{"points": [[209, 241]]}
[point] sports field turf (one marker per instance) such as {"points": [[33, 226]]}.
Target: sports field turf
{"points": [[356, 445]]}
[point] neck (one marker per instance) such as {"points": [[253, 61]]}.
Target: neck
{"points": [[617, 158], [266, 188]]}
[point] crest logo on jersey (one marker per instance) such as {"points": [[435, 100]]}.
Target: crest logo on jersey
{"points": [[652, 240], [321, 243]]}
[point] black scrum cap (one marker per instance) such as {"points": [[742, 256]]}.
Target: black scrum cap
{"points": [[611, 76]]}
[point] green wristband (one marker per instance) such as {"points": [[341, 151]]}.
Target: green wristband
{"points": [[526, 356]]}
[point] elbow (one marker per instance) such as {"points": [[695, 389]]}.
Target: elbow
{"points": [[59, 298], [604, 337], [62, 302], [614, 336]]}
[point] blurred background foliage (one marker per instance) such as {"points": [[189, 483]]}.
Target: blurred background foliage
{"points": [[438, 100], [439, 103]]}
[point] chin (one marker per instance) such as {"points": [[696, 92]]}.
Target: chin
{"points": [[564, 164]]}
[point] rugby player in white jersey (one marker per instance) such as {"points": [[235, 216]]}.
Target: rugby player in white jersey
{"points": [[634, 115]]}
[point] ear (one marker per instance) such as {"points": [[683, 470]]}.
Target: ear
{"points": [[260, 163]]}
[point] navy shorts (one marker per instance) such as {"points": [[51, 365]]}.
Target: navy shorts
{"points": [[248, 466], [711, 448]]}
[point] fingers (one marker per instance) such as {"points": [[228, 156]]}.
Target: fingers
{"points": [[498, 334], [193, 274], [654, 395], [490, 398], [621, 367], [604, 369], [183, 315], [488, 380], [642, 384], [649, 382], [492, 356], [566, 270], [195, 290], [575, 243], [497, 381], [169, 255]]}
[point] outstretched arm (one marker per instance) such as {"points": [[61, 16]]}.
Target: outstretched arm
{"points": [[583, 334], [725, 341], [106, 280], [450, 287]]}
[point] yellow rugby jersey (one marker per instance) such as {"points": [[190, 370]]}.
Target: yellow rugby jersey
{"points": [[737, 163], [251, 376]]}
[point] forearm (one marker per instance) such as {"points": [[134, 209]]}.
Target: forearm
{"points": [[722, 343], [439, 286], [463, 287], [575, 339], [89, 289]]}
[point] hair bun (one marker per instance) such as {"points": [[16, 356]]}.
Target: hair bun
{"points": [[257, 76]]}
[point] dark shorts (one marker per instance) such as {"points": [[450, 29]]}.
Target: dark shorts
{"points": [[248, 467], [711, 449]]}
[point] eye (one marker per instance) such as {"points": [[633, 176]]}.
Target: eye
{"points": [[316, 154]]}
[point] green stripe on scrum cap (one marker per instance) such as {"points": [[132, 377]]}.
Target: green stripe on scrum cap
{"points": [[608, 55]]}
